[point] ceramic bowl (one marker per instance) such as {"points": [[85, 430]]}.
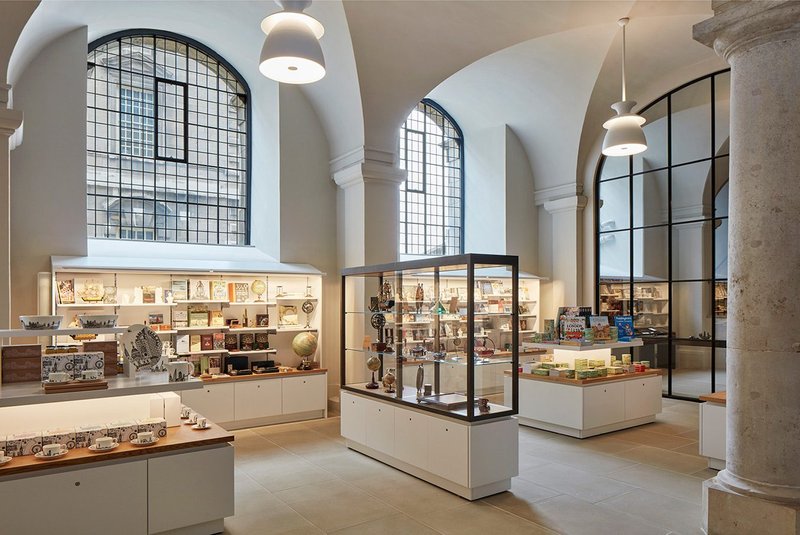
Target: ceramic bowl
{"points": [[33, 323], [98, 321]]}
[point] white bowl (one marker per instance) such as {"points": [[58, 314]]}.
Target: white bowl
{"points": [[97, 321], [37, 323]]}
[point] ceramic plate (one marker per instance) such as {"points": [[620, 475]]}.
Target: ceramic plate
{"points": [[4, 460], [197, 428], [41, 455], [136, 442], [95, 449]]}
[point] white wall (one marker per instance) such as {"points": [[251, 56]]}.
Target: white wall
{"points": [[484, 190], [48, 171], [521, 210], [308, 210]]}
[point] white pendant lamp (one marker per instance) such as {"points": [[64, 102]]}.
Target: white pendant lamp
{"points": [[625, 135], [291, 53]]}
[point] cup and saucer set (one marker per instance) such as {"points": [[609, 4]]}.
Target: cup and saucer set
{"points": [[197, 422], [52, 451], [4, 458], [145, 438], [102, 444]]}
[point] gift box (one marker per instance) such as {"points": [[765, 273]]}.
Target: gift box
{"points": [[182, 344], [581, 364], [157, 426], [123, 431], [58, 362], [94, 360], [86, 435], [23, 444], [614, 370], [21, 363], [541, 371], [64, 436]]}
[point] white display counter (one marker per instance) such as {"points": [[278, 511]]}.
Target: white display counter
{"points": [[713, 429]]}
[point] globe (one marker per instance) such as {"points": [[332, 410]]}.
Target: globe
{"points": [[304, 344], [373, 363]]}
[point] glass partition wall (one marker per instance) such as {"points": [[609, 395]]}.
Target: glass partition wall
{"points": [[662, 236]]}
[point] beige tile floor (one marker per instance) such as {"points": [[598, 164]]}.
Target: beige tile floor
{"points": [[301, 479]]}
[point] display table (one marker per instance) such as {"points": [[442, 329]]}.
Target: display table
{"points": [[588, 407], [471, 459], [238, 402], [713, 428], [163, 488]]}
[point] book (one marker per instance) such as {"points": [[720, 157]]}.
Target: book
{"points": [[180, 290], [198, 318], [219, 341], [206, 342], [573, 328], [219, 290], [215, 318], [624, 325], [238, 292], [231, 342], [148, 294], [199, 290], [194, 342], [66, 292], [600, 328]]}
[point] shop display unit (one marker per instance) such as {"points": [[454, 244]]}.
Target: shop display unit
{"points": [[649, 305], [421, 365], [587, 407], [713, 413]]}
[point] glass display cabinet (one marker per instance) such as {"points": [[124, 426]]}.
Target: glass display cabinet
{"points": [[425, 348], [436, 334]]}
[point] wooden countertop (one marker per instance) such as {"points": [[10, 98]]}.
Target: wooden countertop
{"points": [[716, 397], [178, 438], [593, 381], [261, 376]]}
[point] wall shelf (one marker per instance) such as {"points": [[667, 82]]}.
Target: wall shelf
{"points": [[28, 333]]}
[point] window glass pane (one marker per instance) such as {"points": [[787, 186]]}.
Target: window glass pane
{"points": [[721, 248], [651, 253], [691, 310], [691, 373], [135, 188], [614, 204], [431, 197], [722, 105], [721, 309], [691, 123], [651, 199], [691, 251], [615, 255], [651, 308], [655, 130], [721, 181], [691, 191], [615, 298], [614, 167]]}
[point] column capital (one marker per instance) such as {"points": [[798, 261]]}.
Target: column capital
{"points": [[369, 172], [573, 204], [11, 127], [739, 25]]}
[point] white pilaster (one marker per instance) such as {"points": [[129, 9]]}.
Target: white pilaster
{"points": [[567, 248], [10, 137]]}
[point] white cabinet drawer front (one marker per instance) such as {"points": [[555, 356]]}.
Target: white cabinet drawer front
{"points": [[448, 450], [110, 499], [603, 405], [712, 430], [379, 419], [190, 488], [493, 452], [411, 437], [642, 397], [551, 402], [352, 420], [306, 393], [215, 402], [257, 399]]}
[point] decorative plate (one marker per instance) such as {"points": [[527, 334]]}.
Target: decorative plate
{"points": [[4, 460], [95, 449], [377, 321]]}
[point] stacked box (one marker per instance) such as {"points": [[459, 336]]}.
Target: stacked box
{"points": [[598, 363], [23, 444], [64, 436], [110, 355], [541, 371], [94, 360], [581, 364], [614, 370], [157, 426], [58, 362], [86, 435], [123, 431], [602, 372], [562, 372], [21, 363]]}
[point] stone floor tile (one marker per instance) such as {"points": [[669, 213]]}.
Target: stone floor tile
{"points": [[571, 516], [667, 460], [480, 519], [665, 512], [681, 486], [577, 483], [389, 525]]}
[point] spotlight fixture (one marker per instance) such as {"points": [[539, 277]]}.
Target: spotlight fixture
{"points": [[291, 53], [625, 136]]}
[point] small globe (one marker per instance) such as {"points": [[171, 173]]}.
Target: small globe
{"points": [[373, 363], [304, 344]]}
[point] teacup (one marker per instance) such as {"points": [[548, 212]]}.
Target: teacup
{"points": [[58, 377], [202, 423], [144, 437], [90, 374], [185, 412], [103, 443], [2, 454], [193, 417], [52, 449]]}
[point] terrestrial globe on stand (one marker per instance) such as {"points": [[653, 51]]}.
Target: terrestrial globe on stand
{"points": [[304, 345]]}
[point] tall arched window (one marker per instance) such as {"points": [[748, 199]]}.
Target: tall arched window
{"points": [[432, 198], [662, 236], [168, 141]]}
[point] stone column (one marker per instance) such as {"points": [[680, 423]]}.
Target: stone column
{"points": [[759, 490], [10, 134], [567, 249]]}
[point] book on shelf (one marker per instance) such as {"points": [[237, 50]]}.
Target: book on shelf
{"points": [[238, 292], [218, 290], [601, 330], [624, 324], [66, 291], [148, 294], [180, 290], [199, 290]]}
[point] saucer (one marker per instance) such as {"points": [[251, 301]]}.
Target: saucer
{"points": [[82, 380], [95, 449], [49, 382], [197, 428], [136, 442], [187, 422], [4, 460], [41, 455]]}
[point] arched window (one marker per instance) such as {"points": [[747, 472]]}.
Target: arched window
{"points": [[662, 236], [168, 141], [432, 198]]}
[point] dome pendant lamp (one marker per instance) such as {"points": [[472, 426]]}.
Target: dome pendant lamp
{"points": [[625, 136], [291, 53]]}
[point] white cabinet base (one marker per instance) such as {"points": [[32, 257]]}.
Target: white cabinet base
{"points": [[712, 434], [270, 420], [585, 433], [213, 526]]}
